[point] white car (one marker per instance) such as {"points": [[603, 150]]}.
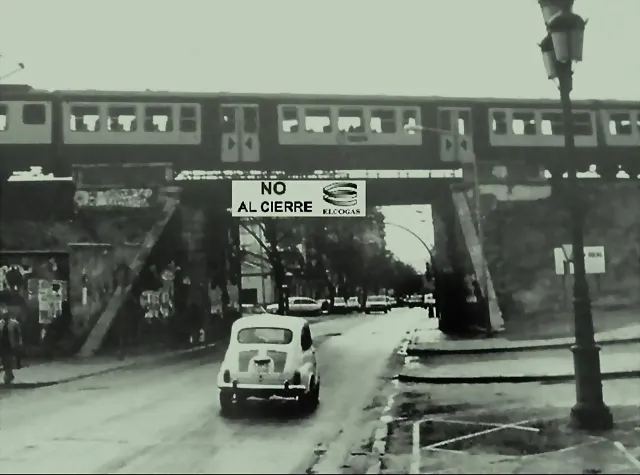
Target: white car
{"points": [[353, 304], [299, 306], [340, 305], [377, 303], [269, 355]]}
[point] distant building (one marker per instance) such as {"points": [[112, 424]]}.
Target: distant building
{"points": [[257, 282]]}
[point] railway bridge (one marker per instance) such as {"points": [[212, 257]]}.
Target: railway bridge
{"points": [[144, 211]]}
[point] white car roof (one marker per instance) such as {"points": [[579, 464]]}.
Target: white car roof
{"points": [[265, 320]]}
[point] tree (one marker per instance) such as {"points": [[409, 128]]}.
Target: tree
{"points": [[280, 240]]}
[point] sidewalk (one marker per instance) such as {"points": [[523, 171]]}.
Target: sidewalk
{"points": [[619, 361], [73, 369], [428, 340], [498, 428]]}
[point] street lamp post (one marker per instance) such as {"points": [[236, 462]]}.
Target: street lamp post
{"points": [[561, 48]]}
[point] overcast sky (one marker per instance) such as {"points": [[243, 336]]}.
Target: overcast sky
{"points": [[422, 47], [454, 48]]}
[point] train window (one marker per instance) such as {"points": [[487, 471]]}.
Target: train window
{"points": [[250, 120], [552, 123], [228, 119], [4, 117], [464, 122], [158, 119], [499, 122], [383, 121], [350, 120], [34, 114], [290, 120], [317, 120], [444, 119], [410, 121], [620, 124], [121, 119], [85, 119], [582, 124], [188, 119], [523, 123]]}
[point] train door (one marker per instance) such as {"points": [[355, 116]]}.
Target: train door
{"points": [[457, 120], [240, 132]]}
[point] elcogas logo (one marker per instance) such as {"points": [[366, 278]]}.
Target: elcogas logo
{"points": [[341, 193]]}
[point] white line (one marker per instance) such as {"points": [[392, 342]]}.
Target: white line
{"points": [[487, 424], [634, 461], [415, 450], [475, 434], [450, 451]]}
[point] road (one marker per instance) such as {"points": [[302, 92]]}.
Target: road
{"points": [[166, 419]]}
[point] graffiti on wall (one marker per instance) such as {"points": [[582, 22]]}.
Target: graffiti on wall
{"points": [[160, 303], [39, 288], [51, 294], [14, 276], [116, 198]]}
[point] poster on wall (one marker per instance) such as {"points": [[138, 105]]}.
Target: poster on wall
{"points": [[51, 295], [594, 259]]}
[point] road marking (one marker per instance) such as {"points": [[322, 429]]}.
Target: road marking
{"points": [[634, 461], [476, 434], [487, 424], [449, 451]]}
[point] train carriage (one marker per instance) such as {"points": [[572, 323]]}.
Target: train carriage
{"points": [[100, 127], [304, 133], [27, 135]]}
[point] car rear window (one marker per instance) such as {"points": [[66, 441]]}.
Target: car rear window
{"points": [[265, 335], [376, 299]]}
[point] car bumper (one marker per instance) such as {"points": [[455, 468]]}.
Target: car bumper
{"points": [[263, 391], [377, 308]]}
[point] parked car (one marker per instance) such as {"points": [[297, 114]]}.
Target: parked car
{"points": [[252, 309], [272, 355], [377, 303], [299, 306], [414, 300], [353, 304], [340, 305]]}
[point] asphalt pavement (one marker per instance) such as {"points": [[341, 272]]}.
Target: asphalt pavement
{"points": [[166, 419]]}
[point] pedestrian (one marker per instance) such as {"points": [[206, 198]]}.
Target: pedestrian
{"points": [[10, 342]]}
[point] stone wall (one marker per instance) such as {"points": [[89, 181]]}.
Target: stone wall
{"points": [[520, 237], [97, 235]]}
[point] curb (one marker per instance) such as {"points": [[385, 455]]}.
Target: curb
{"points": [[190, 352], [557, 378], [423, 352]]}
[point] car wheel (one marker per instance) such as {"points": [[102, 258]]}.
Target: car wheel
{"points": [[309, 401], [227, 408]]}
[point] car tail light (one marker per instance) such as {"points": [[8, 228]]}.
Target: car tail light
{"points": [[226, 376], [296, 379]]}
